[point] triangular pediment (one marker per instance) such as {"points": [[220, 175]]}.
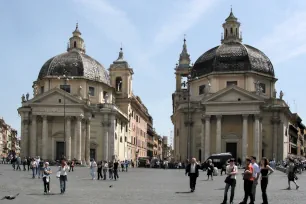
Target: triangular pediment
{"points": [[55, 96], [233, 94]]}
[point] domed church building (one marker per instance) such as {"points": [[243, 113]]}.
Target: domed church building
{"points": [[228, 102], [73, 112]]}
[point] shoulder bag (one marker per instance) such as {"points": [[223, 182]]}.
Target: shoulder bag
{"points": [[228, 179]]}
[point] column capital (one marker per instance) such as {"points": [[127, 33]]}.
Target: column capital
{"points": [[207, 117], [275, 120], [245, 116], [44, 117], [80, 118], [105, 123], [256, 116], [34, 117], [218, 117]]}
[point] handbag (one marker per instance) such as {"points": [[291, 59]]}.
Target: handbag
{"points": [[58, 174]]}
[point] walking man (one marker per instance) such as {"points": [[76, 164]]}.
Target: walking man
{"points": [[192, 170], [256, 174]]}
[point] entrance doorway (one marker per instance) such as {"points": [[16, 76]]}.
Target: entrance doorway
{"points": [[93, 154], [59, 150], [232, 148], [200, 155]]}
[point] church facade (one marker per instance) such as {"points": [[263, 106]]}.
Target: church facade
{"points": [[81, 111], [228, 102]]}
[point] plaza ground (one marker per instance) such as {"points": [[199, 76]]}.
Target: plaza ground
{"points": [[148, 186]]}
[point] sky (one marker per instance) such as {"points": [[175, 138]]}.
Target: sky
{"points": [[151, 33]]}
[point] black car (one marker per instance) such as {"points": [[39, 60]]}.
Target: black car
{"points": [[218, 160]]}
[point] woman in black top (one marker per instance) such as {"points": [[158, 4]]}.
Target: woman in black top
{"points": [[265, 171]]}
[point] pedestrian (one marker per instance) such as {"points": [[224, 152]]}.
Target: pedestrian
{"points": [[46, 178], [33, 167], [40, 168], [100, 165], [265, 171], [62, 175], [24, 163], [231, 171], [110, 169], [18, 161], [116, 165], [210, 169], [248, 182], [72, 165], [291, 171], [93, 169], [256, 174], [29, 163], [192, 170], [105, 168]]}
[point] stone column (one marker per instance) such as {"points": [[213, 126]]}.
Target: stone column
{"points": [[87, 147], [256, 137], [244, 137], [218, 134], [78, 138], [68, 138], [83, 155], [105, 125], [275, 121], [25, 134], [44, 140], [22, 138], [111, 140], [33, 137], [203, 140], [207, 136]]}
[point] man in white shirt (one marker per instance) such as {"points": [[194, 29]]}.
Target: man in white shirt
{"points": [[256, 174], [192, 170]]}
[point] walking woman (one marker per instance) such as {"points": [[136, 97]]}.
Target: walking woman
{"points": [[93, 169], [291, 170], [210, 170], [231, 171], [265, 171], [33, 167], [62, 174], [46, 177], [248, 182]]}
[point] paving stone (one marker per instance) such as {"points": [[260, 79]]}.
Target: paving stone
{"points": [[147, 186]]}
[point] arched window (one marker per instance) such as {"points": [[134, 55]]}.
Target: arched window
{"points": [[231, 30], [74, 44], [225, 32], [120, 139], [119, 84], [115, 136]]}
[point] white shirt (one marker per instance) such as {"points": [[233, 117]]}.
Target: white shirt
{"points": [[63, 170], [230, 169], [256, 170], [192, 168]]}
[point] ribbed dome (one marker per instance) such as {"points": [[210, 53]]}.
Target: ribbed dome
{"points": [[74, 63], [232, 57]]}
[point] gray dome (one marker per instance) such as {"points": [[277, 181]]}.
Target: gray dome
{"points": [[74, 63], [231, 57]]}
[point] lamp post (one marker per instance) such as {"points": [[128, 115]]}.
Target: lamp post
{"points": [[65, 88]]}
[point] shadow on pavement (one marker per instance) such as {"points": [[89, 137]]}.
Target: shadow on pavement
{"points": [[41, 194], [183, 192]]}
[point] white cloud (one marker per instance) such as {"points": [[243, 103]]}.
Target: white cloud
{"points": [[184, 16], [287, 40]]}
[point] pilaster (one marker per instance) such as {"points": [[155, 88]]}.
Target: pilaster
{"points": [[33, 137], [218, 134], [207, 136]]}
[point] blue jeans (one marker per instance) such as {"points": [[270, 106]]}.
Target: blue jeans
{"points": [[63, 180], [33, 172]]}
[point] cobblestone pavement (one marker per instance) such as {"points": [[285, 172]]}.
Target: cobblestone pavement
{"points": [[148, 186]]}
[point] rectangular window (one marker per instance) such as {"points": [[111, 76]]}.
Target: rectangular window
{"points": [[105, 95], [42, 89], [91, 91], [263, 87], [201, 89], [230, 83], [126, 128], [65, 88]]}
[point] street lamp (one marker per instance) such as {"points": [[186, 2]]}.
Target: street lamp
{"points": [[65, 88]]}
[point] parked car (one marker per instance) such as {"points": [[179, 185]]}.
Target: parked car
{"points": [[217, 159]]}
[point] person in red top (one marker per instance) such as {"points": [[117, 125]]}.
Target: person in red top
{"points": [[248, 182]]}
